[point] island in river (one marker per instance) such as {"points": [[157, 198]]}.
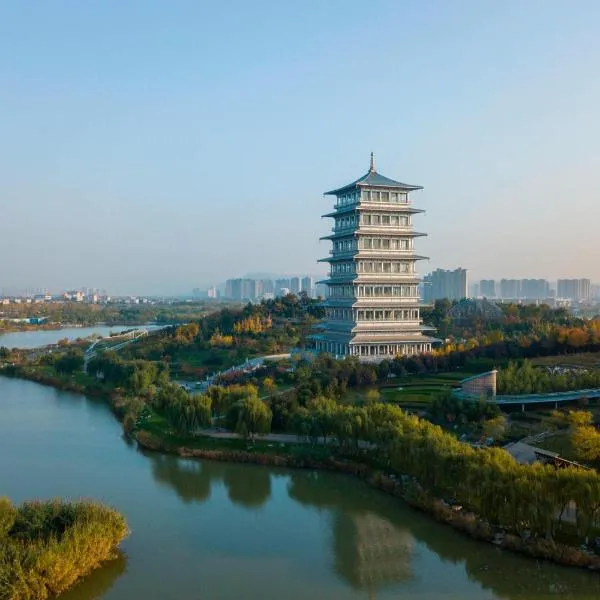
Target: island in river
{"points": [[45, 547]]}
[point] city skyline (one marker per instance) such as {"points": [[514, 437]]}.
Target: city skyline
{"points": [[150, 153]]}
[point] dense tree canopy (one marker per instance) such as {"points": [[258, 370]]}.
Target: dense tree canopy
{"points": [[526, 379]]}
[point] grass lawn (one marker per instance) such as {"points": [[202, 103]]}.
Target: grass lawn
{"points": [[419, 390], [413, 390]]}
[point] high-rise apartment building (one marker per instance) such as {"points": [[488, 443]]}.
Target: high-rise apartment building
{"points": [[445, 284], [281, 284], [233, 289], [295, 285], [487, 288], [307, 285], [242, 289], [372, 307], [577, 290], [534, 289], [510, 288], [516, 289], [267, 287]]}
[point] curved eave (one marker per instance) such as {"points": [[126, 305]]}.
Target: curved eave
{"points": [[366, 230], [342, 280], [371, 255], [337, 236], [337, 258], [374, 180]]}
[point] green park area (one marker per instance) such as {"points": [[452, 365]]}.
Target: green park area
{"points": [[417, 391]]}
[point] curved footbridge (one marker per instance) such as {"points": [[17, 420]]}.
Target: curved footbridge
{"points": [[114, 343], [483, 387]]}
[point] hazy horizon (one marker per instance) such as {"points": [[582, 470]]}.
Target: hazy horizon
{"points": [[154, 148]]}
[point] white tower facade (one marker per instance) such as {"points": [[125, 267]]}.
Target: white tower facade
{"points": [[372, 305]]}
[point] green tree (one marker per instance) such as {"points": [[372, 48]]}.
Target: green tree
{"points": [[324, 410], [70, 362], [250, 417], [586, 442], [269, 385], [372, 396], [495, 428]]}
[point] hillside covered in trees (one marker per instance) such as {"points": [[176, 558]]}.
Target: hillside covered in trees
{"points": [[230, 336]]}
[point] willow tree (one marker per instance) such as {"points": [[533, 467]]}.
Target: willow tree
{"points": [[250, 417]]}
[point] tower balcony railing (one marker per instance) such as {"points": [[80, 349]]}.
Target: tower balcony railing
{"points": [[403, 251], [343, 253], [364, 276], [378, 301], [344, 228], [387, 228], [391, 300], [346, 205], [372, 228], [382, 323], [402, 203]]}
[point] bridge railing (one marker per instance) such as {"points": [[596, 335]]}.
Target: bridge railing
{"points": [[550, 397]]}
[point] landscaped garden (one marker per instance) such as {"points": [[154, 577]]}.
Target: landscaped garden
{"points": [[419, 390]]}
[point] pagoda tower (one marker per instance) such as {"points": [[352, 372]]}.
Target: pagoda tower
{"points": [[372, 305]]}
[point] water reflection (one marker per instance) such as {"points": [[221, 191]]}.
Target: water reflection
{"points": [[369, 551], [97, 584], [247, 485], [374, 539]]}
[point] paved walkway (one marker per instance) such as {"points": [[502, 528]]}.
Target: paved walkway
{"points": [[277, 438], [282, 438]]}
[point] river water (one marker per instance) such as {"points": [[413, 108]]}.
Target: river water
{"points": [[39, 338], [208, 530]]}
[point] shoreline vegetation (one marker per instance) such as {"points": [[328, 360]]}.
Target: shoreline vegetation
{"points": [[46, 547], [404, 487], [483, 493]]}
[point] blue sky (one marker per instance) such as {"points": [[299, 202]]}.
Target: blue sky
{"points": [[151, 146]]}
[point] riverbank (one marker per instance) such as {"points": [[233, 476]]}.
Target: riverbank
{"points": [[29, 327], [81, 384], [404, 487], [46, 547], [155, 433]]}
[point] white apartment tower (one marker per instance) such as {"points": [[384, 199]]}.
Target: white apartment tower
{"points": [[372, 305]]}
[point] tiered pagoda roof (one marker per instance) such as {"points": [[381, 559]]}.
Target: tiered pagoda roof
{"points": [[373, 179]]}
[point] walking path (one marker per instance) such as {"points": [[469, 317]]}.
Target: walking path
{"points": [[279, 438], [251, 364]]}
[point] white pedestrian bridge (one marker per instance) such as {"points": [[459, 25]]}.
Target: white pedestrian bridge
{"points": [[114, 343]]}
